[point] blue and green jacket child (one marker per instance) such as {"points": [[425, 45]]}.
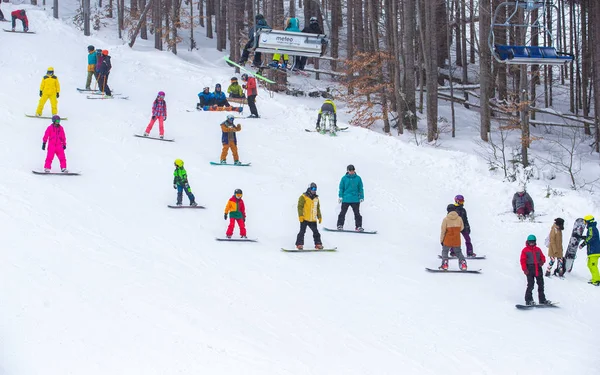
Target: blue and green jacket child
{"points": [[180, 183]]}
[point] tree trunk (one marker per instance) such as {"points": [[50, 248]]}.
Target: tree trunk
{"points": [[430, 48], [485, 66], [86, 17], [157, 24], [409, 109], [594, 8], [524, 108], [55, 9], [209, 13], [141, 22]]}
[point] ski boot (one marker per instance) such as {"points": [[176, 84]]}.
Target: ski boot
{"points": [[319, 247], [178, 204], [274, 64], [299, 247], [13, 29], [546, 302], [520, 217], [193, 204], [463, 266], [595, 283], [26, 29], [237, 162], [146, 134], [359, 229], [47, 170], [228, 236], [161, 136], [64, 170], [444, 265], [472, 255], [529, 303], [340, 227], [244, 237], [223, 161]]}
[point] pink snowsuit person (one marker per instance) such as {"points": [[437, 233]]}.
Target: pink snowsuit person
{"points": [[57, 143], [159, 112]]}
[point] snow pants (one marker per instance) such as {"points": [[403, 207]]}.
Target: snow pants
{"points": [[467, 236], [252, 105], [231, 145], [560, 267], [14, 22], [355, 209], [313, 226], [188, 192], [525, 210], [103, 84], [531, 279], [456, 250], [161, 127], [42, 103], [240, 223], [593, 267], [246, 53], [88, 81], [58, 151]]}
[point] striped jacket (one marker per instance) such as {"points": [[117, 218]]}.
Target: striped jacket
{"points": [[159, 108]]}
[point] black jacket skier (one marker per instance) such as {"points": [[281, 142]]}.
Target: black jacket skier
{"points": [[312, 28]]}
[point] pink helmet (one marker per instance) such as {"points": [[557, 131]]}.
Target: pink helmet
{"points": [[161, 93]]}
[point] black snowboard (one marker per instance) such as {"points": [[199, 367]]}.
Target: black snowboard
{"points": [[576, 237], [237, 239], [182, 206], [351, 231], [452, 271], [57, 173], [156, 138], [466, 257], [530, 307]]}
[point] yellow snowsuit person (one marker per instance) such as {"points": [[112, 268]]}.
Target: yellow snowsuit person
{"points": [[49, 89]]}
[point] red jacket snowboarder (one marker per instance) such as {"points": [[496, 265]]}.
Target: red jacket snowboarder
{"points": [[532, 260], [20, 14], [237, 213]]}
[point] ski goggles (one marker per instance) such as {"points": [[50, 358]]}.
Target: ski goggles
{"points": [[313, 189], [238, 195]]}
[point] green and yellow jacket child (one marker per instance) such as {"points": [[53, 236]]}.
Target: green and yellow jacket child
{"points": [[180, 183]]}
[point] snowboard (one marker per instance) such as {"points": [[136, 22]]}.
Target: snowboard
{"points": [[350, 231], [44, 117], [573, 246], [248, 71], [106, 97], [237, 239], [182, 206], [326, 131], [57, 173], [452, 271], [96, 92], [157, 138], [530, 307], [308, 250], [231, 164], [218, 109], [17, 31], [466, 257]]}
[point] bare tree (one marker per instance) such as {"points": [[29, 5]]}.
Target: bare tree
{"points": [[409, 109], [86, 17], [485, 69]]}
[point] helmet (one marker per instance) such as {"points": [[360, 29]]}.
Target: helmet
{"points": [[259, 17], [50, 69], [218, 86], [230, 118], [451, 208], [350, 167], [244, 76], [312, 186], [459, 199], [588, 219], [238, 191], [313, 19], [178, 163], [531, 238], [56, 118], [90, 48], [105, 52], [234, 79], [161, 93]]}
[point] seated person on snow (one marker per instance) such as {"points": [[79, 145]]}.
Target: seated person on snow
{"points": [[328, 107], [235, 90], [522, 203], [206, 98], [220, 100]]}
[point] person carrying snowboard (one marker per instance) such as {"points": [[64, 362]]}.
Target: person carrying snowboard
{"points": [[522, 204], [229, 140], [159, 112], [532, 261], [328, 109], [91, 68], [452, 225], [180, 183], [309, 211], [260, 23], [251, 93], [49, 89], [20, 14], [237, 213], [555, 248], [56, 140], [235, 90], [350, 194], [592, 240], [105, 68], [459, 202]]}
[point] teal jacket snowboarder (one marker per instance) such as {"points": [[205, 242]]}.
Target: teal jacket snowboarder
{"points": [[351, 188]]}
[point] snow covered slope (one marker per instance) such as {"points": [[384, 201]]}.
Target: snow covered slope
{"points": [[99, 277]]}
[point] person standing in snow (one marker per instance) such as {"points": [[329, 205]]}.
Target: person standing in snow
{"points": [[49, 90], [350, 194], [260, 23], [459, 202], [57, 144], [555, 248], [180, 183], [20, 14], [229, 140], [251, 93], [237, 213], [159, 112], [522, 204], [105, 67], [309, 211], [532, 261], [592, 241], [91, 68], [452, 225]]}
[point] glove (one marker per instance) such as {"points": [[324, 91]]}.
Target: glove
{"points": [[339, 200], [526, 272], [582, 245], [243, 86], [64, 147], [44, 146], [320, 219], [441, 243], [40, 93], [225, 216], [57, 95], [174, 186], [514, 211], [165, 118], [301, 218], [362, 200], [244, 218], [153, 117]]}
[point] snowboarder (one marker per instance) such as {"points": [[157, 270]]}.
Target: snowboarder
{"points": [[237, 213], [309, 211], [312, 28], [91, 69], [452, 225], [99, 58], [532, 261], [229, 140], [235, 90], [57, 144], [350, 194], [159, 112], [105, 68], [180, 183], [459, 202], [251, 93], [522, 204], [328, 109], [205, 98], [260, 23], [555, 248], [220, 100], [20, 14], [49, 89], [592, 240], [292, 24]]}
